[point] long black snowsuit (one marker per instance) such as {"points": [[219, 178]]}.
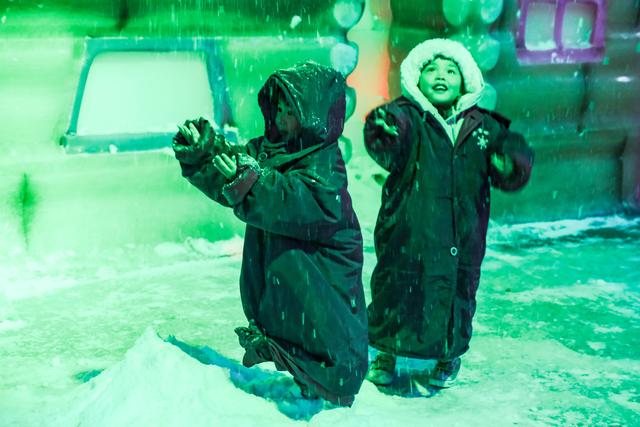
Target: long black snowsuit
{"points": [[301, 280], [431, 229]]}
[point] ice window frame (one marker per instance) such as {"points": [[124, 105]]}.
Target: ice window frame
{"points": [[562, 54], [119, 142]]}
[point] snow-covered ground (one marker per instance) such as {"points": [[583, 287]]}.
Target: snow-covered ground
{"points": [[85, 339]]}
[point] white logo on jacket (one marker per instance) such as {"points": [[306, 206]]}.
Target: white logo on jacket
{"points": [[481, 137]]}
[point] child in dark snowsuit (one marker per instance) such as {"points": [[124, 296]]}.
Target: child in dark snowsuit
{"points": [[443, 154], [301, 283]]}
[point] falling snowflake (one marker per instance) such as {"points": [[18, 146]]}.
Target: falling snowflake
{"points": [[295, 21]]}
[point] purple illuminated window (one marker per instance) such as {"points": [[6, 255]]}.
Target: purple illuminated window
{"points": [[561, 31]]}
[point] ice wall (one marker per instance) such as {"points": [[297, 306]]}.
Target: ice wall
{"points": [[580, 114], [567, 74], [55, 200]]}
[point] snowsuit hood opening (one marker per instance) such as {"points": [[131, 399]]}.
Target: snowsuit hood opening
{"points": [[317, 95], [427, 51]]}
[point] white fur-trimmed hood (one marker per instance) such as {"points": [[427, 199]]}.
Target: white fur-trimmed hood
{"points": [[426, 51]]}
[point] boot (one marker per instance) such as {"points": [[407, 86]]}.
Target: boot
{"points": [[382, 369], [445, 373], [255, 344], [305, 392]]}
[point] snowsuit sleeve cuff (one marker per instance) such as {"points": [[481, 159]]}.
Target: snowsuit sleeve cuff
{"points": [[237, 190]]}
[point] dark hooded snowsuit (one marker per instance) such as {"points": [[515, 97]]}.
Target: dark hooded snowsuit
{"points": [[431, 228], [302, 262]]}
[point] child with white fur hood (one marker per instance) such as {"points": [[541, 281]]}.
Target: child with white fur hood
{"points": [[443, 154]]}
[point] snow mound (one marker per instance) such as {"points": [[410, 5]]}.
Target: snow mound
{"points": [[584, 228], [157, 384], [170, 383]]}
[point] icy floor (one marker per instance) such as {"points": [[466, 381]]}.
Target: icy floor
{"points": [[556, 339]]}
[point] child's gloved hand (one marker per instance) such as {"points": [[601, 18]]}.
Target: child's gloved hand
{"points": [[502, 163], [226, 165], [380, 119], [188, 144], [234, 166], [197, 142]]}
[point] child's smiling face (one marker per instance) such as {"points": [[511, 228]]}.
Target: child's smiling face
{"points": [[441, 82]]}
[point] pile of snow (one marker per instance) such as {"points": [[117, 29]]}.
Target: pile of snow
{"points": [[558, 229], [161, 383], [157, 384]]}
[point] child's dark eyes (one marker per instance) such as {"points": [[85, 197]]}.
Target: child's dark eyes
{"points": [[288, 112], [450, 72]]}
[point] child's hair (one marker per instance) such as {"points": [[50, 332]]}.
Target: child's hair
{"points": [[440, 56]]}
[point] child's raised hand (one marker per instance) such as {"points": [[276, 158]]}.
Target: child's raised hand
{"points": [[502, 163], [184, 145], [380, 119], [226, 165], [190, 133]]}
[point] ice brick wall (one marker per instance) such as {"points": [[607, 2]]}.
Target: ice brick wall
{"points": [[566, 73], [54, 200]]}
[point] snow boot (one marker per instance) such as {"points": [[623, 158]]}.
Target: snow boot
{"points": [[305, 392], [445, 373], [255, 344], [382, 369]]}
